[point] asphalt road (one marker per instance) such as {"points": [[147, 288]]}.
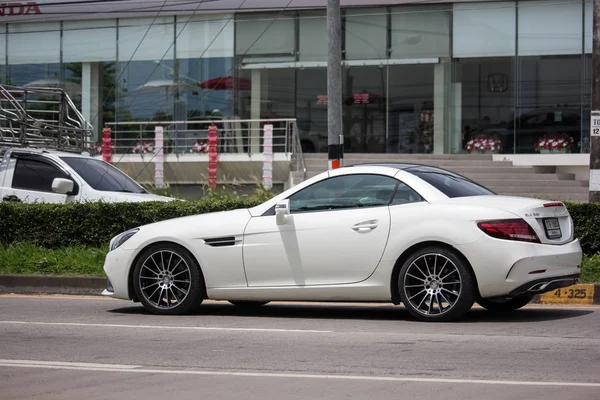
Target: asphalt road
{"points": [[90, 348]]}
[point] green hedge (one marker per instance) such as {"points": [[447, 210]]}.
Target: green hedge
{"points": [[94, 224]]}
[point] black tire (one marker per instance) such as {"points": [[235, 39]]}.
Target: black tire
{"points": [[436, 277], [248, 305], [179, 297], [503, 305]]}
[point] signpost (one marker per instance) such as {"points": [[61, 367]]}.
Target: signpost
{"points": [[106, 145], [268, 154], [159, 178], [212, 157]]}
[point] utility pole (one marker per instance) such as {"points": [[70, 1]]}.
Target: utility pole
{"points": [[335, 138], [595, 117]]}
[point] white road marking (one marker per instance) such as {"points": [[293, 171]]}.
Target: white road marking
{"points": [[188, 328], [142, 370]]}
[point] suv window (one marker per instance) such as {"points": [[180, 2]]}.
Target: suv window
{"points": [[348, 191], [35, 175], [449, 183]]}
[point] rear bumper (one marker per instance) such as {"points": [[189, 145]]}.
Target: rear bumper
{"points": [[509, 268], [545, 285]]}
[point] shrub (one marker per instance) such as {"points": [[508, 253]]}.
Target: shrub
{"points": [[94, 224]]}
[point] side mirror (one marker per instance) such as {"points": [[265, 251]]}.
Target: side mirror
{"points": [[282, 210], [62, 186]]}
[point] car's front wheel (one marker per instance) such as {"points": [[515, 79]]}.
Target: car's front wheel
{"points": [[167, 280], [435, 284], [503, 305]]}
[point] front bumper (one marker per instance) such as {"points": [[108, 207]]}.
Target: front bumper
{"points": [[116, 267]]}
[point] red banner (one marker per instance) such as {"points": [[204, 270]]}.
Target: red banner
{"points": [[106, 145], [213, 140]]}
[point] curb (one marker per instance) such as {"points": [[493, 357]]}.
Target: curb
{"points": [[586, 293], [45, 284], [583, 293]]}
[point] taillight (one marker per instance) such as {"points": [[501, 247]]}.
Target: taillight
{"points": [[510, 229]]}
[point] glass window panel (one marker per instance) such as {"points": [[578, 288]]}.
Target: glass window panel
{"points": [[155, 43], [484, 29], [202, 36], [420, 32], [550, 100], [311, 109], [89, 41], [366, 31], [547, 28], [34, 43], [589, 26], [484, 102], [265, 33], [3, 38], [313, 36]]}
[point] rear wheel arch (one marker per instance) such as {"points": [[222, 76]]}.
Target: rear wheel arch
{"points": [[411, 250], [130, 287]]}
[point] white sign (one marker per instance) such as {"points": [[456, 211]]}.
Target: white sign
{"points": [[594, 180], [159, 179], [268, 154], [595, 123]]}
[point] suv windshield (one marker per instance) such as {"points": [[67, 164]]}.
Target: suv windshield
{"points": [[103, 176], [449, 183]]}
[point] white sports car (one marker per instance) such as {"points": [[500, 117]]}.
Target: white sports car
{"points": [[402, 233]]}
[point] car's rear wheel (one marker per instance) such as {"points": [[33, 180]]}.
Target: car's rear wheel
{"points": [[167, 280], [504, 305], [247, 304], [435, 284]]}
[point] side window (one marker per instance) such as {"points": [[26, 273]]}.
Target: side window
{"points": [[348, 191], [35, 175], [405, 194]]}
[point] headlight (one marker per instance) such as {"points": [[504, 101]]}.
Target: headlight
{"points": [[122, 238]]}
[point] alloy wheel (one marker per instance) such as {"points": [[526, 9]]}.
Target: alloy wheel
{"points": [[165, 279], [432, 284]]}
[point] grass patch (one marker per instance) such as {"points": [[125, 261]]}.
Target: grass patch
{"points": [[29, 259], [590, 269]]}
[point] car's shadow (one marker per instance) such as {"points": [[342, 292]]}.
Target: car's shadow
{"points": [[352, 311]]}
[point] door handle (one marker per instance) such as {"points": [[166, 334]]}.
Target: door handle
{"points": [[12, 198], [365, 226]]}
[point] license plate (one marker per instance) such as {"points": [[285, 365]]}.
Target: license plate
{"points": [[552, 228]]}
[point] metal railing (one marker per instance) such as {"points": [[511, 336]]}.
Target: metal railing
{"points": [[41, 117], [243, 136]]}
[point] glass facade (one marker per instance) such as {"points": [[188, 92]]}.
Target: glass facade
{"points": [[416, 78]]}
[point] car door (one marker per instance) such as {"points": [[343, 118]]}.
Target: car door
{"points": [[336, 233], [31, 179]]}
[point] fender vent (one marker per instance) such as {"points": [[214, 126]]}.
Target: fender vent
{"points": [[220, 242]]}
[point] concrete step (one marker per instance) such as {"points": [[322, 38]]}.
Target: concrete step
{"points": [[323, 164], [576, 198], [537, 189], [499, 183], [482, 175], [390, 156]]}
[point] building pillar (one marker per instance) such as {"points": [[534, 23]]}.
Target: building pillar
{"points": [[255, 102], [439, 107], [456, 138], [91, 86]]}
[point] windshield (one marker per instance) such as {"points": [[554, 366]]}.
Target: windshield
{"points": [[103, 176], [449, 183]]}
